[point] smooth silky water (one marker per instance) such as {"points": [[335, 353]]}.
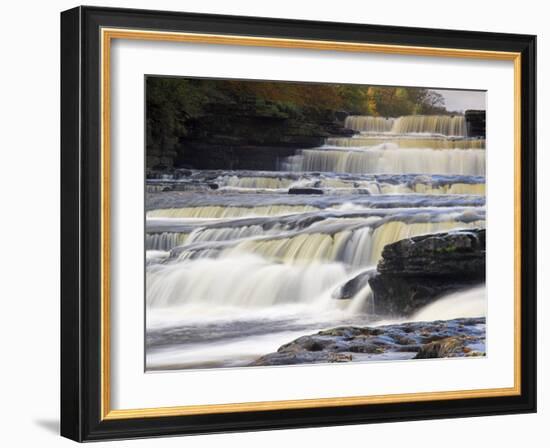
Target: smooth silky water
{"points": [[235, 272]]}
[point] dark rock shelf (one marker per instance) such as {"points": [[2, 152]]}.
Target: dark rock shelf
{"points": [[411, 340], [475, 123], [247, 135], [416, 271]]}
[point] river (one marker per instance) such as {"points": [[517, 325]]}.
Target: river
{"points": [[240, 262]]}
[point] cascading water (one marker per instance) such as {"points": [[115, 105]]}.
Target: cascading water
{"points": [[164, 241], [470, 303], [431, 124], [412, 124], [386, 158], [369, 124], [234, 255], [414, 142], [427, 144], [353, 243]]}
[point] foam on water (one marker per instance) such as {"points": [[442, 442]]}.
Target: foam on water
{"points": [[468, 303], [238, 264]]}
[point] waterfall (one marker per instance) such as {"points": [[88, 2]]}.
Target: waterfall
{"points": [[255, 182], [422, 188], [387, 159], [297, 269], [411, 124], [245, 281], [361, 141], [224, 233], [215, 212], [237, 184], [361, 247], [431, 124], [237, 257], [468, 303], [368, 123], [164, 241]]}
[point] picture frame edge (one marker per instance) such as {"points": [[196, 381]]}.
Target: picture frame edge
{"points": [[81, 407]]}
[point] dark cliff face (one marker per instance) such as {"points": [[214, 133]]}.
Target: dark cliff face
{"points": [[241, 137], [244, 136], [216, 124], [416, 271], [193, 121], [475, 123]]}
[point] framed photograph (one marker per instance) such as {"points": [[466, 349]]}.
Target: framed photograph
{"points": [[277, 224]]}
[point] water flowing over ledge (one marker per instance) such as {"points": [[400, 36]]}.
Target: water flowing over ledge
{"points": [[259, 182], [365, 140], [388, 159], [240, 262], [412, 124]]}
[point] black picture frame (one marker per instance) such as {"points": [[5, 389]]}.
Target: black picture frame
{"points": [[81, 381]]}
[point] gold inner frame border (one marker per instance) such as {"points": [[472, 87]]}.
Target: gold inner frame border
{"points": [[107, 35]]}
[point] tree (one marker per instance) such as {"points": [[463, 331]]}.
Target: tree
{"points": [[176, 107]]}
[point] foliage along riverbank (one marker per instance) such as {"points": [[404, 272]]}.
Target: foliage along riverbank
{"points": [[216, 124]]}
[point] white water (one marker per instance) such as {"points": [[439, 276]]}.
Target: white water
{"points": [[164, 240], [444, 125], [360, 247], [265, 182], [369, 124], [386, 158], [244, 281], [468, 303], [413, 124], [238, 271], [285, 319], [233, 353], [416, 142], [255, 182], [228, 212]]}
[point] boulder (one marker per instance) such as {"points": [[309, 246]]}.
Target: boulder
{"points": [[416, 271], [410, 340], [304, 190], [349, 289]]}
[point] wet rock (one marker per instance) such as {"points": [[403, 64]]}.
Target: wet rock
{"points": [[182, 172], [416, 271], [411, 340], [475, 123], [349, 289], [460, 252], [458, 346], [440, 349], [305, 190], [247, 135], [206, 155]]}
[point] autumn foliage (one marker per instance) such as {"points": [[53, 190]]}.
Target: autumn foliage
{"points": [[175, 105]]}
